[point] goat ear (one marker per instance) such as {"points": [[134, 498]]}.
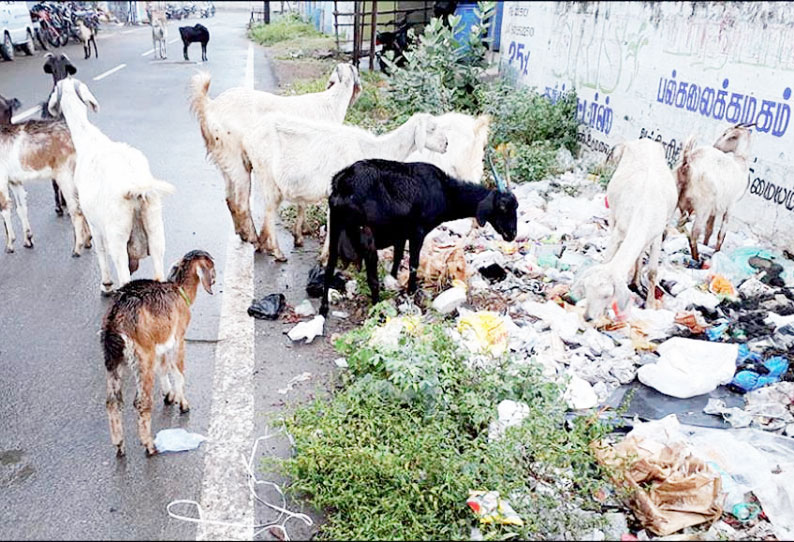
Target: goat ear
{"points": [[48, 62], [481, 125], [87, 97], [15, 104], [71, 69], [485, 209], [206, 271]]}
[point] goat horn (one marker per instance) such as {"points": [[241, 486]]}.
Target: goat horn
{"points": [[500, 184]]}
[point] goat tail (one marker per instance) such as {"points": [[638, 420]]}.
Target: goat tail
{"points": [[689, 146], [682, 170], [199, 98], [154, 185]]}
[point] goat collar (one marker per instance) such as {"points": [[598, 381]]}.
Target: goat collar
{"points": [[184, 295]]}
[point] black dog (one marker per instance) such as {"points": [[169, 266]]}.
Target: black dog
{"points": [[197, 33]]}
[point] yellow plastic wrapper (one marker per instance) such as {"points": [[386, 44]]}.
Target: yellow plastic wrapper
{"points": [[490, 508], [484, 332]]}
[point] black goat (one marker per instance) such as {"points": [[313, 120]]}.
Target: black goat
{"points": [[397, 42], [196, 33], [60, 67], [7, 106], [376, 204]]}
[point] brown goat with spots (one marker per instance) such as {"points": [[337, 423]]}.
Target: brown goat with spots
{"points": [[145, 329]]}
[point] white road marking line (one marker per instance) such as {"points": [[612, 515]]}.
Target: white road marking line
{"points": [[223, 490], [109, 72], [150, 51], [127, 31], [19, 117], [174, 40]]}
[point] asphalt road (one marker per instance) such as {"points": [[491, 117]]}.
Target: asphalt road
{"points": [[59, 477]]}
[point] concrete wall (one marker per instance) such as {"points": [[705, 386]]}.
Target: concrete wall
{"points": [[665, 70]]}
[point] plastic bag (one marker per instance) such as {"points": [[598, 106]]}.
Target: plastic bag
{"points": [[307, 330], [484, 332], [267, 308], [177, 440], [314, 284], [491, 508], [688, 367]]}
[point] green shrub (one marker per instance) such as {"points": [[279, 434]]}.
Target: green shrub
{"points": [[395, 451], [441, 73], [281, 29]]}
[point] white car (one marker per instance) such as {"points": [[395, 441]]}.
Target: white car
{"points": [[16, 29]]}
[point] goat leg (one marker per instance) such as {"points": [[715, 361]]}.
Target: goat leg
{"points": [[300, 219], [399, 249], [5, 210], [21, 197], [333, 254], [59, 200], [371, 261], [723, 230], [709, 229], [112, 405], [184, 49], [414, 249], [143, 400]]}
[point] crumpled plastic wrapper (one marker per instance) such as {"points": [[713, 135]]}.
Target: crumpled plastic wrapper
{"points": [[491, 508]]}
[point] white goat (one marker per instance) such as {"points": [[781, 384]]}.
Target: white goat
{"points": [[118, 194], [226, 119], [642, 199], [38, 150], [295, 159], [159, 35], [467, 137], [710, 182]]}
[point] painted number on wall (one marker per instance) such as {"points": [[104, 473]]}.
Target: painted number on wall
{"points": [[517, 53]]}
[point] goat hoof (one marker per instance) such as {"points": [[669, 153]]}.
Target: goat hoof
{"points": [[184, 407], [107, 288], [75, 254], [280, 258], [28, 243], [150, 450], [169, 397], [120, 450], [10, 250], [299, 242], [59, 212]]}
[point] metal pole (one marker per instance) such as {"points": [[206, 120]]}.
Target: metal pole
{"points": [[267, 11], [373, 32], [356, 32], [336, 24]]}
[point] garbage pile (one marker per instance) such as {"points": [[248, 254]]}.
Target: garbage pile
{"points": [[723, 324]]}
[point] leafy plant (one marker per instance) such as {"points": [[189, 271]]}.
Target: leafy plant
{"points": [[284, 28], [394, 453], [441, 73]]}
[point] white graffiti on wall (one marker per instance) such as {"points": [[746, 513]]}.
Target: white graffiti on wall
{"points": [[668, 70]]}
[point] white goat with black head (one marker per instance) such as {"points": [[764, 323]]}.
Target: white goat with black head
{"points": [[237, 111], [711, 180], [118, 194], [642, 198]]}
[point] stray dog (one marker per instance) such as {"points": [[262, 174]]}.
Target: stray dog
{"points": [[197, 33], [159, 35]]}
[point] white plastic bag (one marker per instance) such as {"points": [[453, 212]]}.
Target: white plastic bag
{"points": [[177, 440], [688, 367]]}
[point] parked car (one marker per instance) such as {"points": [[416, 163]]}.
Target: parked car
{"points": [[16, 29]]}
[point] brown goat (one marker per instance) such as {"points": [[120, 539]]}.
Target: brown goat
{"points": [[145, 327]]}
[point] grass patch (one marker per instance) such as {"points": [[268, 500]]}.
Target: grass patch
{"points": [[287, 27], [316, 216], [394, 453]]}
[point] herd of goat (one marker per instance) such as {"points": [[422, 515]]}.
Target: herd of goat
{"points": [[382, 191]]}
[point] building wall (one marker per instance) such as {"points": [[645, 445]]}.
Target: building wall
{"points": [[666, 70]]}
